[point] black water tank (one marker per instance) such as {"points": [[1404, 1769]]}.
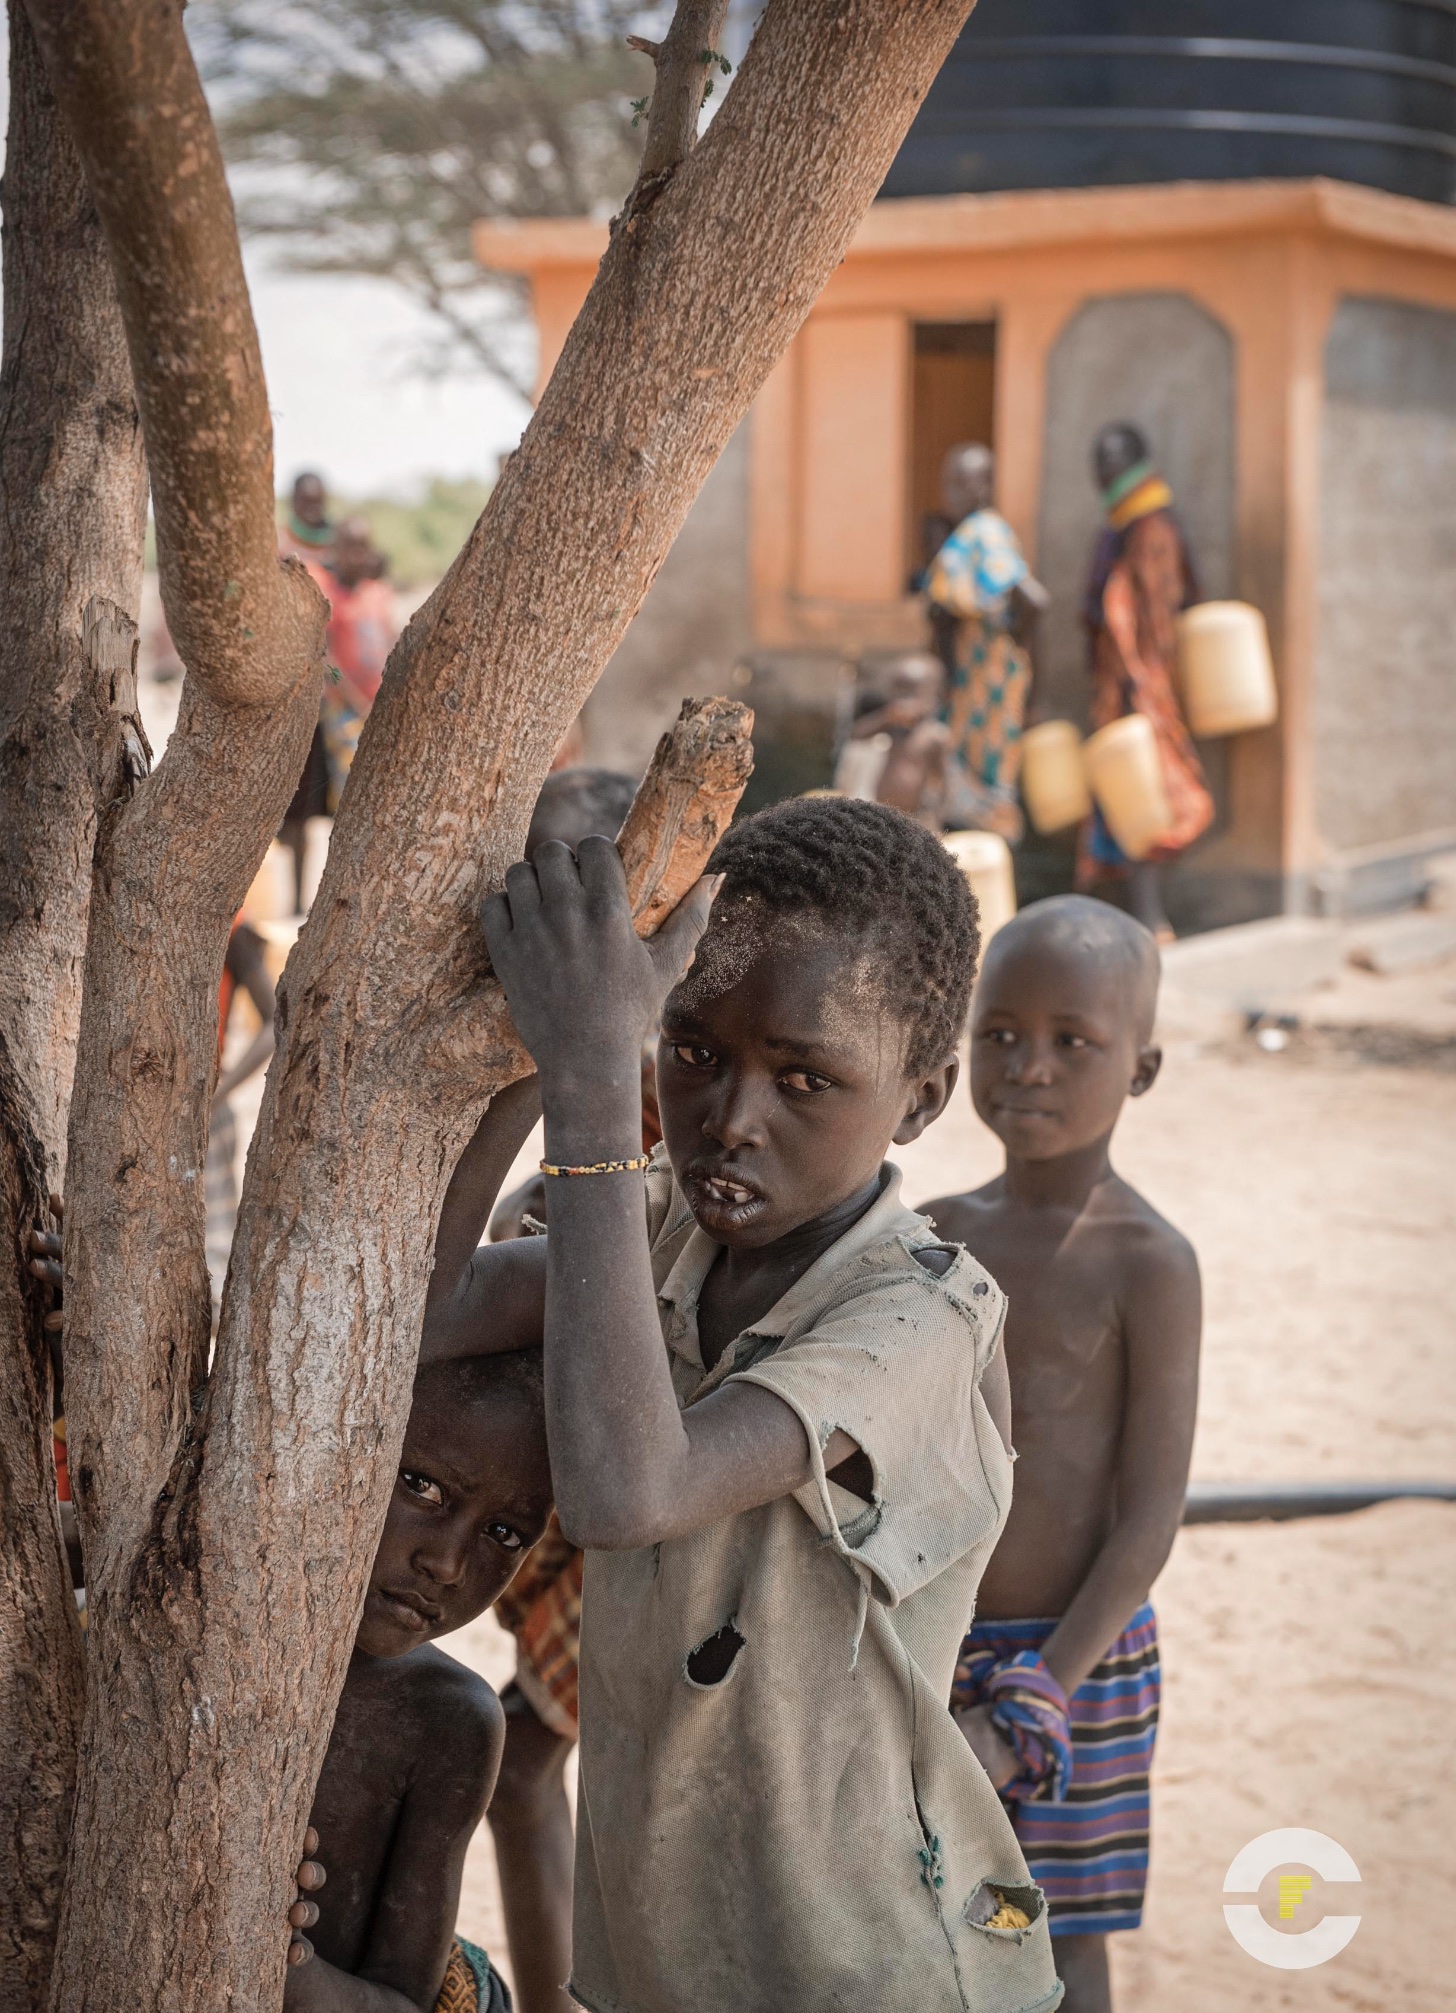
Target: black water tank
{"points": [[1063, 94]]}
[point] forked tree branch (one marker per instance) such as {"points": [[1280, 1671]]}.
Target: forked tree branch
{"points": [[232, 1576], [684, 63]]}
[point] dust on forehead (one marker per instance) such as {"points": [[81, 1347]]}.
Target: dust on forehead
{"points": [[743, 930]]}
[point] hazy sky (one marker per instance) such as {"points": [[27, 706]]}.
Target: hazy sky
{"points": [[334, 353]]}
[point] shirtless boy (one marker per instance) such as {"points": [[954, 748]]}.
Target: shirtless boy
{"points": [[775, 1406], [1102, 1346], [417, 1738]]}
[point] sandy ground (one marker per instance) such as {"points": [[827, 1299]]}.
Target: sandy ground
{"points": [[1311, 1667]]}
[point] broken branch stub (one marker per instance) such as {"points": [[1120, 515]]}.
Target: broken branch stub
{"points": [[682, 808], [688, 796]]}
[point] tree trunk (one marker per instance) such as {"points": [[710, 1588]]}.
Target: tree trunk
{"points": [[73, 477], [233, 1531]]}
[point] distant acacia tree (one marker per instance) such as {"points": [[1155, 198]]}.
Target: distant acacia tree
{"points": [[375, 132]]}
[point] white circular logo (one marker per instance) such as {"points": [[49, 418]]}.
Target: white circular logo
{"points": [[1284, 1949]]}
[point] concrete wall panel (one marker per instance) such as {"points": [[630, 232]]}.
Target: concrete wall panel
{"points": [[854, 457], [1385, 657]]}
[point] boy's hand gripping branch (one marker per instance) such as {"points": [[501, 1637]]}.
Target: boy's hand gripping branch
{"points": [[588, 945], [683, 807], [585, 990], [681, 810]]}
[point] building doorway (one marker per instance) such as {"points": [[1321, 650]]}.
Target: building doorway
{"points": [[953, 399]]}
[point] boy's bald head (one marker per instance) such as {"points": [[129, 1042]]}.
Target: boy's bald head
{"points": [[1112, 943], [1062, 1026]]}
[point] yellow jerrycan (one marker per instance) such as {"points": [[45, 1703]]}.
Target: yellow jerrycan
{"points": [[1225, 668], [985, 860], [1054, 776], [1127, 780]]}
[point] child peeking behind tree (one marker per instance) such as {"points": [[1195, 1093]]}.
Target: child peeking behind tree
{"points": [[417, 1738]]}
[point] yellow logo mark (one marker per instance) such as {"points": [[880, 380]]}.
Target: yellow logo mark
{"points": [[1292, 1889]]}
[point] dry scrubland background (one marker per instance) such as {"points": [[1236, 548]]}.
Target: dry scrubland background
{"points": [[1309, 1667]]}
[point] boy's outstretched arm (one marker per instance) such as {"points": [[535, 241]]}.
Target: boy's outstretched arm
{"points": [[1162, 1323], [629, 1468], [485, 1299]]}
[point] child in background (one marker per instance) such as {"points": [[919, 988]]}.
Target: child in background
{"points": [[1058, 1682], [897, 750], [363, 626], [775, 1404], [417, 1738]]}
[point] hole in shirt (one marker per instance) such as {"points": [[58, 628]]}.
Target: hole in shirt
{"points": [[1012, 1912], [856, 1474], [936, 1258], [712, 1660]]}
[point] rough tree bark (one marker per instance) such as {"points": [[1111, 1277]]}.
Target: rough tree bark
{"points": [[231, 1530], [73, 477]]}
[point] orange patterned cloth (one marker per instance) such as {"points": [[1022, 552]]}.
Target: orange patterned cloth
{"points": [[1135, 649], [472, 1985], [460, 1992], [542, 1609]]}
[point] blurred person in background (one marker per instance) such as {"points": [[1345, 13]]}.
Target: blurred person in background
{"points": [[363, 628], [1142, 577], [983, 603], [307, 533], [899, 746]]}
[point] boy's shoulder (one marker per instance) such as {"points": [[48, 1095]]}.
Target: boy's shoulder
{"points": [[921, 1294], [953, 1214], [1118, 1216], [436, 1705], [1145, 1238]]}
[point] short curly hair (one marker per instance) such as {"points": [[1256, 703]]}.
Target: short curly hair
{"points": [[871, 872]]}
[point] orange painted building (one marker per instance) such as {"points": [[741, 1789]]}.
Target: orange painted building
{"points": [[1290, 347]]}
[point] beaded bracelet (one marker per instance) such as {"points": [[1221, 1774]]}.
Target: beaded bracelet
{"points": [[637, 1166]]}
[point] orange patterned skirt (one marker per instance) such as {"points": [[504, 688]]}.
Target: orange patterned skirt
{"points": [[542, 1609], [472, 1984]]}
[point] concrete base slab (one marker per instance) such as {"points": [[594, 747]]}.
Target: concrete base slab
{"points": [[1403, 943], [1256, 968]]}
